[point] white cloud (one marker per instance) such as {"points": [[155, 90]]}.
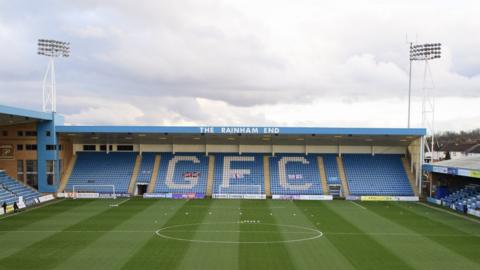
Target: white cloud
{"points": [[333, 63]]}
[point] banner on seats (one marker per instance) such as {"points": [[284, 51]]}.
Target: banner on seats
{"points": [[240, 196], [303, 197], [188, 196], [390, 198], [46, 198]]}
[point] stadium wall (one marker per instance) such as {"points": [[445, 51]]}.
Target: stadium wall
{"points": [[9, 163]]}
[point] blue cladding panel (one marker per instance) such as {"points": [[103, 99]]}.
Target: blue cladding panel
{"points": [[243, 130], [43, 154]]}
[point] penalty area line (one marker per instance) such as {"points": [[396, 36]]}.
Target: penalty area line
{"points": [[120, 203], [359, 205]]}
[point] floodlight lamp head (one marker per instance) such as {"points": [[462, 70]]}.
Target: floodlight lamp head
{"points": [[53, 48], [427, 51]]}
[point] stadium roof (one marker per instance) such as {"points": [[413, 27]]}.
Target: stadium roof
{"points": [[242, 135], [468, 166], [15, 116], [471, 163]]}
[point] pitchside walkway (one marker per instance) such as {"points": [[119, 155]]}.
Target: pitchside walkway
{"points": [[290, 174]]}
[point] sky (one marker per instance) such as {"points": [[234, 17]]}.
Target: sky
{"points": [[341, 63]]}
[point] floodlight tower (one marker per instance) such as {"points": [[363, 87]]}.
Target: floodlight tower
{"points": [[52, 49], [425, 53]]}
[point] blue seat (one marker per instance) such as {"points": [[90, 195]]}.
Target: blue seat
{"points": [[146, 168], [99, 168], [295, 174], [245, 175], [11, 190], [182, 173]]}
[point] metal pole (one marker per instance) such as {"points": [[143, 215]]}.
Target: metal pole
{"points": [[409, 87], [409, 92], [53, 93]]}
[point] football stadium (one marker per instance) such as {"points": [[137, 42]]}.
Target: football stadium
{"points": [[239, 135], [145, 197]]}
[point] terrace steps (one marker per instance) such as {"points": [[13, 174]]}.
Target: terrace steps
{"points": [[136, 168], [410, 176], [323, 175], [153, 178], [211, 170], [266, 172], [343, 177], [66, 175]]}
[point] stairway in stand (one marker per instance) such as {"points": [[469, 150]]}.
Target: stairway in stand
{"points": [[266, 172], [411, 177], [136, 168], [153, 179], [343, 177], [323, 175], [66, 175], [211, 170]]}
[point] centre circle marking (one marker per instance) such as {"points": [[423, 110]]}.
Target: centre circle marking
{"points": [[161, 233]]}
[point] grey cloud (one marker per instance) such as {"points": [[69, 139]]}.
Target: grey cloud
{"points": [[243, 53]]}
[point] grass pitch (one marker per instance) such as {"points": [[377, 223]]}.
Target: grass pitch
{"points": [[233, 234]]}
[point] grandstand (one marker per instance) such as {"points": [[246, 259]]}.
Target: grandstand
{"points": [[253, 162]]}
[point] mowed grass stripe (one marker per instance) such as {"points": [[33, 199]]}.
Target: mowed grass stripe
{"points": [[165, 253], [415, 249], [70, 213], [21, 220], [261, 256], [362, 251], [319, 253], [466, 223], [223, 216], [51, 251], [467, 247], [114, 248]]}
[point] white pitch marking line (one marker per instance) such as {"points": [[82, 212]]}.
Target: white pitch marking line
{"points": [[122, 202], [451, 213], [240, 231], [364, 208], [315, 236]]}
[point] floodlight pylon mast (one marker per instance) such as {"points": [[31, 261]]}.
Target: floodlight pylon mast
{"points": [[49, 88], [425, 53], [52, 49]]}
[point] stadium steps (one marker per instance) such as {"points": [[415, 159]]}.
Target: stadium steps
{"points": [[410, 176], [211, 171], [136, 168], [266, 172], [343, 177], [66, 175], [153, 179], [323, 175]]}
